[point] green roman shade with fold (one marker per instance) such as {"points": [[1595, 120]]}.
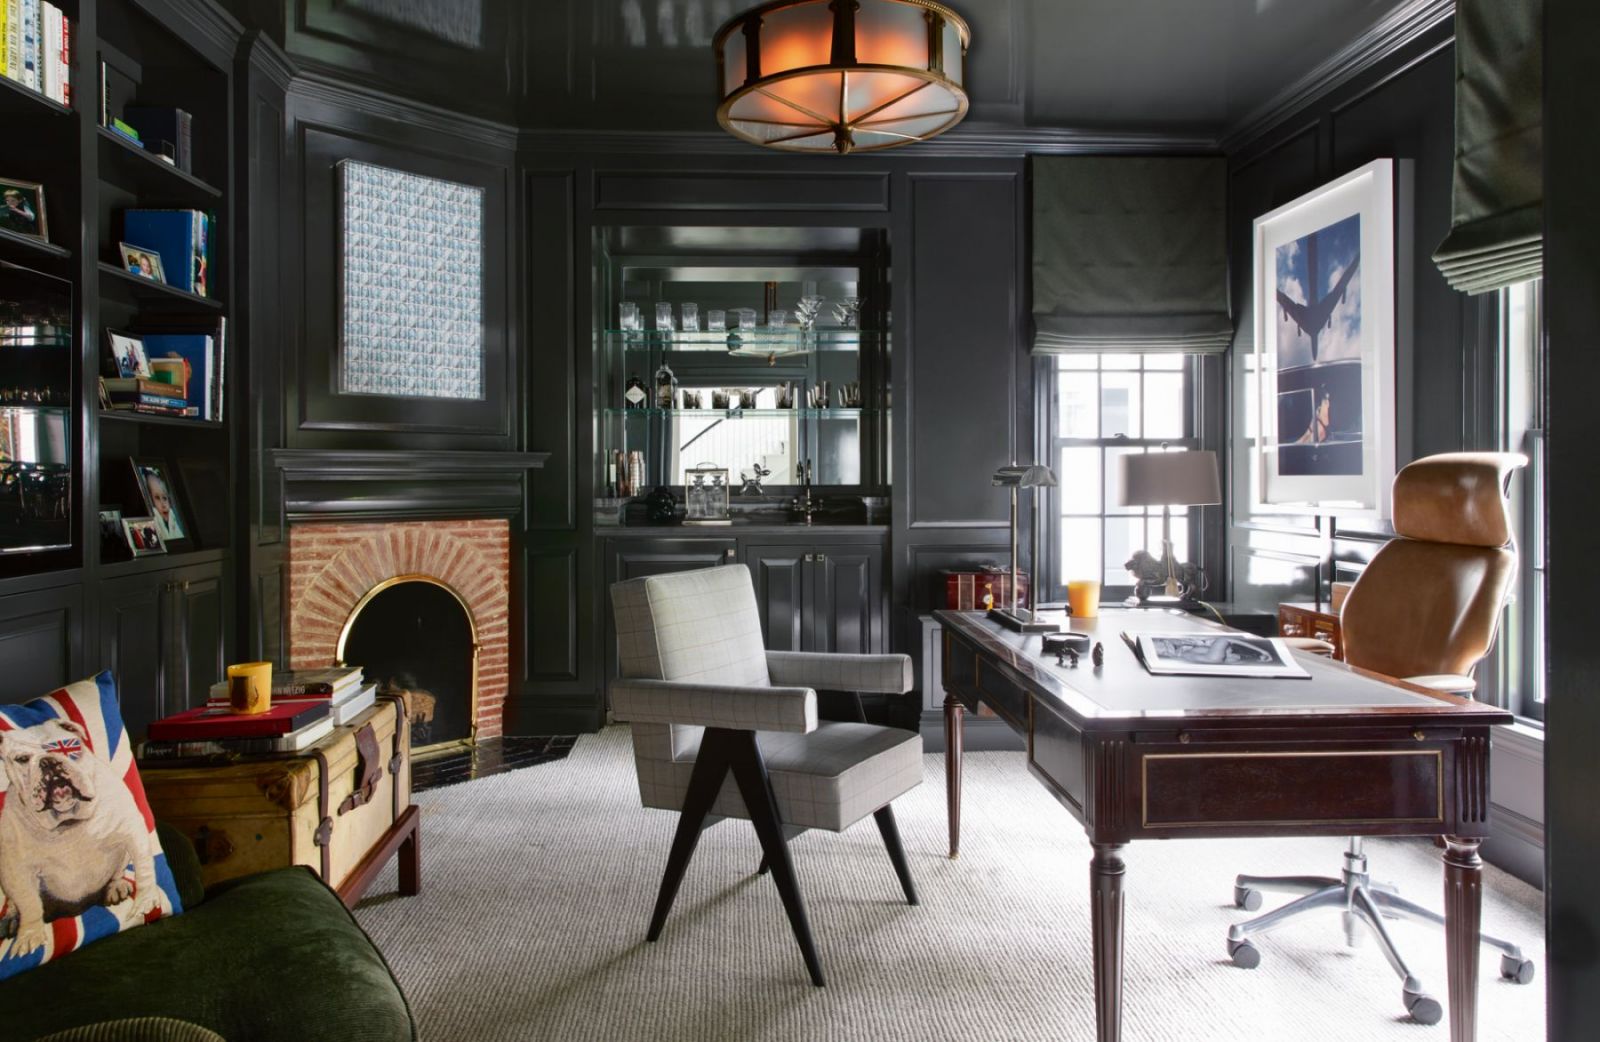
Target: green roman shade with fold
{"points": [[1130, 254], [1497, 221]]}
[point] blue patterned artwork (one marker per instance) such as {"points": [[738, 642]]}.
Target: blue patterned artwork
{"points": [[412, 309]]}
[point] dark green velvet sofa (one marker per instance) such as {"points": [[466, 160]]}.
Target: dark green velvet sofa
{"points": [[274, 957]]}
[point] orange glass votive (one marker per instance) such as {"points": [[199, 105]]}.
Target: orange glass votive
{"points": [[1083, 598], [250, 687]]}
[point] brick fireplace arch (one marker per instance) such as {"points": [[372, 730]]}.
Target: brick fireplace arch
{"points": [[333, 566]]}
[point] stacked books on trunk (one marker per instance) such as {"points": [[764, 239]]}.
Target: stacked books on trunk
{"points": [[306, 706]]}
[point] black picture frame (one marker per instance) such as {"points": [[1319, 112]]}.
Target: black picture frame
{"points": [[162, 502], [22, 208], [142, 536], [205, 498]]}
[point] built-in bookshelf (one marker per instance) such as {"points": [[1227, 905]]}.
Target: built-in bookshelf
{"points": [[82, 170]]}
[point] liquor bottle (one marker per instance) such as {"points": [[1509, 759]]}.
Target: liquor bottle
{"points": [[635, 397], [666, 387]]}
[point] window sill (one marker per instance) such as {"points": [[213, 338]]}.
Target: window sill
{"points": [[1521, 739]]}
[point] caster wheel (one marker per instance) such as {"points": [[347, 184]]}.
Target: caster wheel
{"points": [[1424, 1009], [1246, 898], [1517, 971], [1245, 955]]}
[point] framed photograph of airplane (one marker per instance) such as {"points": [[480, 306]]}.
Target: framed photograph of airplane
{"points": [[1323, 359]]}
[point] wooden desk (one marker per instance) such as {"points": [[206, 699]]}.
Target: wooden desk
{"points": [[1135, 756]]}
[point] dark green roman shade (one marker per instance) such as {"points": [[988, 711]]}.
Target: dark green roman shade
{"points": [[1497, 222], [1130, 254]]}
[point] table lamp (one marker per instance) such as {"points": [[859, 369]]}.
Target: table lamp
{"points": [[1014, 616], [1169, 479]]}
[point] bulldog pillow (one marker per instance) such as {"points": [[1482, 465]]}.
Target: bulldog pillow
{"points": [[79, 858]]}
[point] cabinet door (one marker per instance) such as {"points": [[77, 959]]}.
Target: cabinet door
{"points": [[135, 631], [781, 575], [847, 608], [199, 635]]}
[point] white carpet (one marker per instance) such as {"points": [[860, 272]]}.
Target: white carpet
{"points": [[538, 885]]}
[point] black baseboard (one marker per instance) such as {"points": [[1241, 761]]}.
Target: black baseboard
{"points": [[552, 719], [980, 734]]}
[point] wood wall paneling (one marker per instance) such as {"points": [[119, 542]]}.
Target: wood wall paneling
{"points": [[39, 642]]}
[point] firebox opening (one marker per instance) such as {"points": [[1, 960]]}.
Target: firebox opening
{"points": [[415, 635]]}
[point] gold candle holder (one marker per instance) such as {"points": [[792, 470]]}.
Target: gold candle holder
{"points": [[250, 687]]}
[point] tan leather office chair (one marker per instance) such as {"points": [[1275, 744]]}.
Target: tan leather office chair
{"points": [[1425, 610]]}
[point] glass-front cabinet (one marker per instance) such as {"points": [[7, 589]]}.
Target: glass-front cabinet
{"points": [[36, 393], [762, 351]]}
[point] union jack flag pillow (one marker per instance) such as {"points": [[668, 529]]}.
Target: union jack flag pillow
{"points": [[79, 857]]}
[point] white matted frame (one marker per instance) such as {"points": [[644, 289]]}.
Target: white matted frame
{"points": [[1324, 348]]}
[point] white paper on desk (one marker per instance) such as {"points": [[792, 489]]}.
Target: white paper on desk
{"points": [[1215, 654]]}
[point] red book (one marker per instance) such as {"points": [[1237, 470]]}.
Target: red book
{"points": [[207, 723]]}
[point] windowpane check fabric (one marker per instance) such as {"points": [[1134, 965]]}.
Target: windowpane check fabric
{"points": [[692, 656]]}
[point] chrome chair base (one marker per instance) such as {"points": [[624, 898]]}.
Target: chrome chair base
{"points": [[1364, 906]]}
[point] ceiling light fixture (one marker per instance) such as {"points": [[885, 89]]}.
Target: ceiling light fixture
{"points": [[842, 75]]}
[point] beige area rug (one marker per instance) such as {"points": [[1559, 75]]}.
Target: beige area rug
{"points": [[538, 885]]}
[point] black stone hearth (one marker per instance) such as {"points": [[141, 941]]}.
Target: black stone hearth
{"points": [[490, 756]]}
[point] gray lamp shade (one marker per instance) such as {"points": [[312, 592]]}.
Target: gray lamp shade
{"points": [[1175, 478], [1497, 197], [1130, 254]]}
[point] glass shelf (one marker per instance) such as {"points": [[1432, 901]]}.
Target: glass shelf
{"points": [[734, 414], [743, 342]]}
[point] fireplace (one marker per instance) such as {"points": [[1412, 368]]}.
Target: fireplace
{"points": [[418, 604]]}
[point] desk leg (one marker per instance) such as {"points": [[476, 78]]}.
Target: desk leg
{"points": [[1105, 909], [1463, 912], [954, 726]]}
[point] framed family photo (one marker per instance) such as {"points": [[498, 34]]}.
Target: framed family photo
{"points": [[127, 353], [1324, 348], [160, 497], [143, 536], [22, 208], [145, 263]]}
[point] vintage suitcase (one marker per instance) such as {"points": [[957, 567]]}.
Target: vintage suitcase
{"points": [[981, 590], [325, 807]]}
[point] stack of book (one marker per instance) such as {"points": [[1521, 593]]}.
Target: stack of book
{"points": [[36, 47], [306, 706]]}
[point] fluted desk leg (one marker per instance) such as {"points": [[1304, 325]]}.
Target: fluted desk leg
{"points": [[1106, 870], [954, 724], [1463, 913]]}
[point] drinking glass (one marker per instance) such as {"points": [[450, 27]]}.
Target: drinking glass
{"points": [[716, 320], [689, 317], [777, 318], [663, 317], [628, 316], [747, 318]]}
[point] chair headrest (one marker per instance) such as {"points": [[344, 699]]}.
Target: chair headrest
{"points": [[1456, 497]]}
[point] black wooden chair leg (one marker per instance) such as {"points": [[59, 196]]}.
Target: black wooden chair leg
{"points": [[710, 769], [884, 816], [750, 771]]}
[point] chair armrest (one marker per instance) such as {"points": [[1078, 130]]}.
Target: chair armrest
{"points": [[1449, 683], [715, 705], [879, 674], [1311, 644]]}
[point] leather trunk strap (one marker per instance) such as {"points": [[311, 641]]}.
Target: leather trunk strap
{"points": [[324, 834], [369, 770]]}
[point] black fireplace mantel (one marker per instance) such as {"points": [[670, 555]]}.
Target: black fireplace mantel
{"points": [[333, 485]]}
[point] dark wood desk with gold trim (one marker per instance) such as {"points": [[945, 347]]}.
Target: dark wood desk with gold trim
{"points": [[1136, 756]]}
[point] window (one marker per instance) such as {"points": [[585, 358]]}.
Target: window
{"points": [[1100, 407], [1521, 388]]}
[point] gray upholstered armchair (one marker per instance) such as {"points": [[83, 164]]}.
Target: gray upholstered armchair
{"points": [[706, 700]]}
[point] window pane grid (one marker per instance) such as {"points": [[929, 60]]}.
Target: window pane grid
{"points": [[1107, 406]]}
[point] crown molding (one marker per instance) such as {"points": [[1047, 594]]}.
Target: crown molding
{"points": [[1403, 28], [981, 141], [331, 86], [203, 23], [267, 57]]}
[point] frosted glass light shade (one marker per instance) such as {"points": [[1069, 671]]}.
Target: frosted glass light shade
{"points": [[842, 75]]}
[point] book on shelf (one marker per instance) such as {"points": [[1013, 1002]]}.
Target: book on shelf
{"points": [[210, 722], [139, 384], [181, 237], [119, 82], [158, 125], [180, 411], [307, 684], [1207, 654], [207, 372], [208, 748], [164, 400]]}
